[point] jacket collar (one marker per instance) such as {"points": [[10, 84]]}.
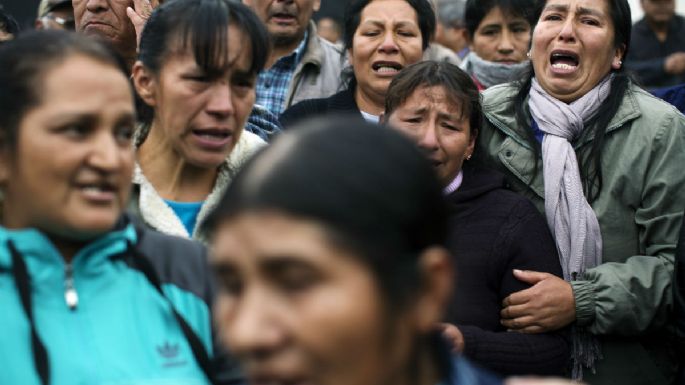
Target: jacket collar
{"points": [[46, 265]]}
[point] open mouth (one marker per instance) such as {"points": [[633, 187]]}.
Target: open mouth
{"points": [[386, 67], [564, 60], [282, 17], [212, 134], [101, 191]]}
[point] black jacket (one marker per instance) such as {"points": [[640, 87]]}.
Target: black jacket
{"points": [[340, 104], [491, 232], [647, 54]]}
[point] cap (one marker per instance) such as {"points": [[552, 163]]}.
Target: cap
{"points": [[47, 6]]}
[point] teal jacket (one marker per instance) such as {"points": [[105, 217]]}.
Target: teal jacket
{"points": [[626, 300], [119, 329]]}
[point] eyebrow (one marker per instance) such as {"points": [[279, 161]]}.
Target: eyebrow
{"points": [[581, 10], [399, 24]]}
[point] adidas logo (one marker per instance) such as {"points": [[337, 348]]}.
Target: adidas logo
{"points": [[168, 351]]}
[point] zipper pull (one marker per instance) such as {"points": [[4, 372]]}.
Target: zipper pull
{"points": [[70, 295]]}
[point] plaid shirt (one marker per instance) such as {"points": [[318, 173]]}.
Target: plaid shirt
{"points": [[273, 84]]}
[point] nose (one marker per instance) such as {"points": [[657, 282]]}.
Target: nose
{"points": [[428, 140], [568, 32], [388, 45], [107, 154], [220, 104], [253, 331], [506, 43], [97, 5]]}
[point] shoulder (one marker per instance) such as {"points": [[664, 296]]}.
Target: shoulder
{"points": [[248, 144], [303, 110], [178, 261], [654, 111], [320, 48], [498, 94]]}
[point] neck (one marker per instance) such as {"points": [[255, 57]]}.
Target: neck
{"points": [[369, 103], [282, 48], [660, 28], [171, 175]]}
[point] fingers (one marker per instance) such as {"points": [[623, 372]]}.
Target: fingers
{"points": [[516, 311], [530, 277], [521, 323], [135, 18], [518, 298]]}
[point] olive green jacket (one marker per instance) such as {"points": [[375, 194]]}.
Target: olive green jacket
{"points": [[627, 299]]}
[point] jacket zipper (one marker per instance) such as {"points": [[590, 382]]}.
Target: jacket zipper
{"points": [[70, 295]]}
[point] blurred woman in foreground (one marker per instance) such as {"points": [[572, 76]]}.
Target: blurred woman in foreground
{"points": [[328, 254]]}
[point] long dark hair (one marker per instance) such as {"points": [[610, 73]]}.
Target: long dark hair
{"points": [[589, 161]]}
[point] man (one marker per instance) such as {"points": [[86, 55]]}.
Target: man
{"points": [[657, 48], [302, 65], [329, 29], [112, 21], [55, 14], [451, 31]]}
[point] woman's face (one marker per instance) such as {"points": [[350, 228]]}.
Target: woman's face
{"points": [[296, 309], [387, 39], [438, 126], [70, 174], [202, 116], [501, 38], [573, 47]]}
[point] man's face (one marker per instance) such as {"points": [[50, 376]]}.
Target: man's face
{"points": [[286, 20], [107, 19], [658, 11]]}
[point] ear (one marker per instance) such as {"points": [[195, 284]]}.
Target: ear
{"points": [[617, 62], [317, 5], [437, 273], [145, 84], [5, 166], [472, 144]]}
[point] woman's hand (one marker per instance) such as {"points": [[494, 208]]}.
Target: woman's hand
{"points": [[548, 305], [141, 11], [453, 335]]}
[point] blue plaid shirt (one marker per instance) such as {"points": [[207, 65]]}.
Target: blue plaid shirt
{"points": [[273, 84]]}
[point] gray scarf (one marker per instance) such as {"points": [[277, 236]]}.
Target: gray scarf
{"points": [[570, 217], [491, 73]]}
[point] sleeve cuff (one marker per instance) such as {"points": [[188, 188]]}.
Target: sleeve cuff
{"points": [[585, 302]]}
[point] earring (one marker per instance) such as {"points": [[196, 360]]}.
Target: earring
{"points": [[468, 157], [528, 54]]}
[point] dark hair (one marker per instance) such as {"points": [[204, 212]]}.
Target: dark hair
{"points": [[425, 16], [589, 161], [458, 86], [370, 187], [476, 10], [24, 63], [200, 25], [7, 22]]}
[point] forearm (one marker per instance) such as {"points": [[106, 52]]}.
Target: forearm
{"points": [[511, 353]]}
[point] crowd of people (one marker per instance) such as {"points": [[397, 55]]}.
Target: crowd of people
{"points": [[453, 192]]}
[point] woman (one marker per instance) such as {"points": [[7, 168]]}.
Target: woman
{"points": [[338, 282], [82, 298], [499, 35], [381, 37], [603, 160], [491, 230], [198, 76]]}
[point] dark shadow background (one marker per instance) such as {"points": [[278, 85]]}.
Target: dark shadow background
{"points": [[25, 10]]}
